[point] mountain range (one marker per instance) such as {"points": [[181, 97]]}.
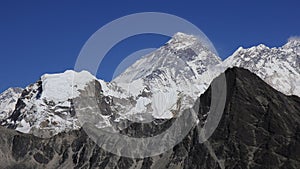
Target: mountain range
{"points": [[260, 122]]}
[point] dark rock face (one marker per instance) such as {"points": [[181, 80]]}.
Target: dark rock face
{"points": [[260, 128]]}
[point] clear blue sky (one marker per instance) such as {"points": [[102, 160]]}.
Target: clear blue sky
{"points": [[38, 37]]}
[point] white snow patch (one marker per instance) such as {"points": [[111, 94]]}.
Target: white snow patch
{"points": [[62, 86], [23, 127]]}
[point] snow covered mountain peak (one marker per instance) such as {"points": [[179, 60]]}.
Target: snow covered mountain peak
{"points": [[64, 86], [184, 56], [180, 66], [279, 67], [180, 36], [182, 40], [46, 107]]}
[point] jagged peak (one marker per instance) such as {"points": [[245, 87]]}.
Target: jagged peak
{"points": [[180, 36], [239, 50], [242, 50], [247, 79], [182, 40], [259, 47]]}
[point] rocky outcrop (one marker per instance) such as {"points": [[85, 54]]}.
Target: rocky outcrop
{"points": [[259, 128], [8, 101]]}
